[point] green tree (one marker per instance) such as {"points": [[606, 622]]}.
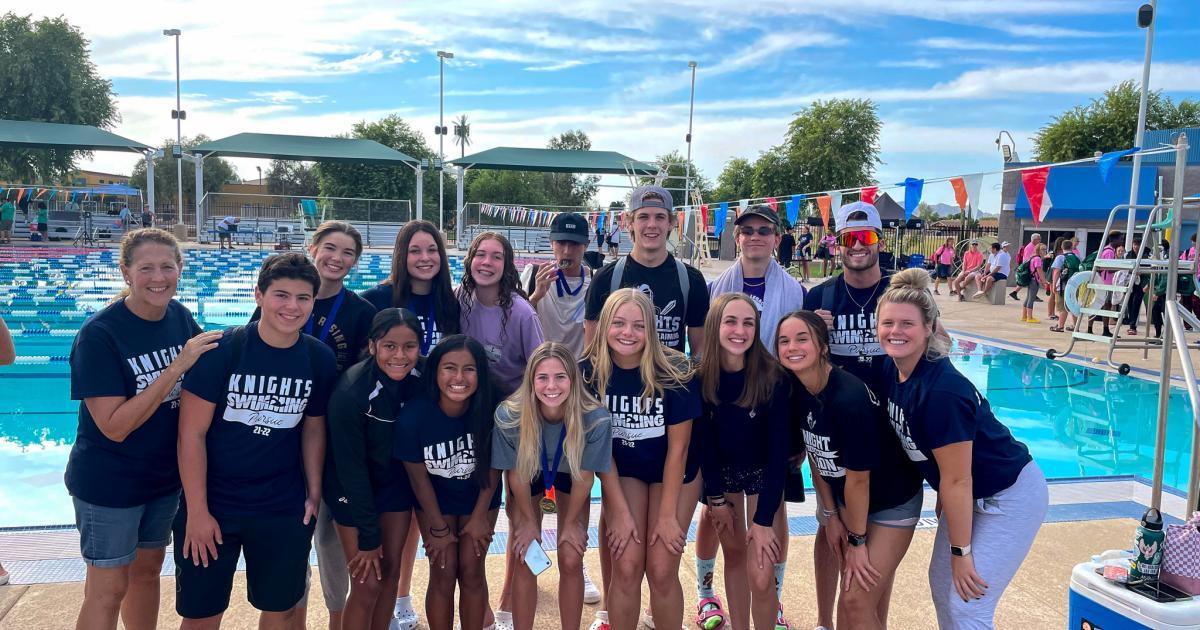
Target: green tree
{"points": [[926, 213], [337, 179], [774, 174], [287, 177], [1109, 123], [510, 187], [830, 145], [217, 171], [736, 181], [675, 165], [569, 189], [47, 75]]}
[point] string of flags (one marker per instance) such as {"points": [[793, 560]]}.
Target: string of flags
{"points": [[34, 193]]}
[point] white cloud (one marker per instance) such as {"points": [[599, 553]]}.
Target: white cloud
{"points": [[927, 64], [1046, 31], [953, 43], [290, 96], [555, 67]]}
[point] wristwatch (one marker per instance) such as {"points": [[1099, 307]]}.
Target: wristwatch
{"points": [[855, 540], [960, 551]]}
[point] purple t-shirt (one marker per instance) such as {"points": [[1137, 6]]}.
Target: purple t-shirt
{"points": [[508, 344]]}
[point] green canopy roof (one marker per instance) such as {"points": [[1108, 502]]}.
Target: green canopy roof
{"points": [[45, 135], [304, 148], [555, 161]]}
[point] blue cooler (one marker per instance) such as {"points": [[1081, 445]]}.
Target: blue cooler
{"points": [[1097, 604]]}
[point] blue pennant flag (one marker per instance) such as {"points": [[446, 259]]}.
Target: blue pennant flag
{"points": [[793, 208], [719, 220], [1109, 160], [912, 195]]}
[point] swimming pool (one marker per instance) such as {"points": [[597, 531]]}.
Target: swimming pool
{"points": [[1077, 421]]}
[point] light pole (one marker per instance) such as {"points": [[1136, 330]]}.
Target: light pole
{"points": [[1145, 19], [178, 114], [687, 181], [1010, 154], [441, 128]]}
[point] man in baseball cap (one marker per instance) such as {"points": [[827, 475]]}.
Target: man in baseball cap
{"points": [[557, 289]]}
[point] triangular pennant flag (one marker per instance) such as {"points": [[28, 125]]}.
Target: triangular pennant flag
{"points": [[793, 209], [823, 205], [912, 195], [719, 220], [704, 216], [868, 193], [973, 184], [835, 200], [960, 192], [1107, 161], [1034, 181], [742, 204], [773, 202], [52, 193], [20, 193], [1046, 204]]}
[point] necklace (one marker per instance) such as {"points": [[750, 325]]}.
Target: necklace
{"points": [[862, 308], [760, 283]]}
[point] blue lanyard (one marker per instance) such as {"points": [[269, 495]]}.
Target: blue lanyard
{"points": [[430, 325], [560, 283], [333, 311], [549, 474]]}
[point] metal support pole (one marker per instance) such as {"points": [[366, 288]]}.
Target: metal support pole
{"points": [[687, 181], [150, 180], [1131, 221], [178, 137], [420, 193], [1173, 327], [199, 162], [458, 223]]}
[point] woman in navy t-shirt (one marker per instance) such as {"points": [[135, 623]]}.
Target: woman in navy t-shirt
{"points": [[367, 490], [993, 496], [445, 441], [745, 412], [127, 363], [648, 506], [867, 519]]}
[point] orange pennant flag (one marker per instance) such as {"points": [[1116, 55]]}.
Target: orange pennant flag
{"points": [[960, 192], [823, 202], [20, 193]]}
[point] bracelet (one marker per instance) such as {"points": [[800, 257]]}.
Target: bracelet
{"points": [[445, 529], [828, 513], [717, 502]]}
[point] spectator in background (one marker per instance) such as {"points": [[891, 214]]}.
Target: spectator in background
{"points": [[944, 257], [614, 239], [971, 268], [1037, 278], [147, 217], [804, 252], [43, 222], [125, 216], [826, 252], [787, 244], [1108, 253], [998, 269], [1024, 255], [225, 230], [7, 213]]}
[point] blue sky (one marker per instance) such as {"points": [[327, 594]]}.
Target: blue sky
{"points": [[947, 75]]}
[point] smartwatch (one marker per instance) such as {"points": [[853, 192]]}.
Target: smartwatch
{"points": [[855, 540], [960, 551]]}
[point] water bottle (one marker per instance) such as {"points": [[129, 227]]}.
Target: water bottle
{"points": [[1148, 545]]}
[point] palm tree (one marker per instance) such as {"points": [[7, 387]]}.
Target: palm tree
{"points": [[462, 134]]}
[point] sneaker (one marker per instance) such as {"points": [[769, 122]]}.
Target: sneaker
{"points": [[1013, 295], [600, 622], [978, 294], [780, 622], [504, 620], [709, 614], [962, 297], [404, 620], [591, 594], [648, 618], [1033, 321]]}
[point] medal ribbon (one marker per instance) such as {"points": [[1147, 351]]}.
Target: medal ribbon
{"points": [[560, 283], [549, 474], [333, 311]]}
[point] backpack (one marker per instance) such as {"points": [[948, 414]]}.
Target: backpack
{"points": [[680, 268], [1071, 266], [1023, 276]]}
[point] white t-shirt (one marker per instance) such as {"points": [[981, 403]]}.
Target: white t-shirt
{"points": [[1004, 261], [560, 312]]}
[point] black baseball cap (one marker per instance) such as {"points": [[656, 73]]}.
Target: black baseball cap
{"points": [[760, 211], [569, 226]]}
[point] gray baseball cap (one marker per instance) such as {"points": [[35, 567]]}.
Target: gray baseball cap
{"points": [[843, 221], [650, 197]]}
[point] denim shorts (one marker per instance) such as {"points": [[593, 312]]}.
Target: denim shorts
{"points": [[110, 537]]}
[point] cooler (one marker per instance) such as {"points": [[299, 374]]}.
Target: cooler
{"points": [[1097, 604]]}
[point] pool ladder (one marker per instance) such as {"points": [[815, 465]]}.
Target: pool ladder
{"points": [[1176, 322]]}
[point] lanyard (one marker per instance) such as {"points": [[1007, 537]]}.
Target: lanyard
{"points": [[333, 311], [430, 324], [549, 474], [560, 283]]}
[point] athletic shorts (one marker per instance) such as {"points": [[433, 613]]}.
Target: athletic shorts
{"points": [[943, 271], [998, 277], [43, 227], [110, 537], [276, 550], [6, 226], [394, 497], [903, 516], [562, 483]]}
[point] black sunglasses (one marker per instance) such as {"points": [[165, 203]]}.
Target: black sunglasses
{"points": [[763, 230]]}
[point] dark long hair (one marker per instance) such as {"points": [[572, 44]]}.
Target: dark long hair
{"points": [[481, 410], [510, 283], [387, 319], [816, 326], [445, 306], [761, 369]]}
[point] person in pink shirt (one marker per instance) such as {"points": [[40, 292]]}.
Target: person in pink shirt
{"points": [[1022, 255], [945, 262], [1037, 278], [1108, 253], [971, 268]]}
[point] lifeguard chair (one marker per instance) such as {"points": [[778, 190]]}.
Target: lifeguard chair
{"points": [[312, 214]]}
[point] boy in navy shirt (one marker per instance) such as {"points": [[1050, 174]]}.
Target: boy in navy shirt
{"points": [[251, 447]]}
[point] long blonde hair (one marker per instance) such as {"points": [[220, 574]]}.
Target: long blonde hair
{"points": [[135, 239], [911, 286], [661, 367], [523, 410]]}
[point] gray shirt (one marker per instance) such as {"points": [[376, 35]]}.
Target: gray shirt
{"points": [[561, 315], [597, 443]]}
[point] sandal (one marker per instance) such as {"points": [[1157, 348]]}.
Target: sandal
{"points": [[1056, 329], [709, 614]]}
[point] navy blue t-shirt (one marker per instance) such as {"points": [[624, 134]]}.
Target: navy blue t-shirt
{"points": [[117, 353], [845, 428], [639, 425], [756, 288], [938, 406], [853, 342], [348, 331], [426, 435], [255, 464], [380, 296]]}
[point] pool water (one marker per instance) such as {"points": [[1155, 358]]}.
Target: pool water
{"points": [[1077, 421]]}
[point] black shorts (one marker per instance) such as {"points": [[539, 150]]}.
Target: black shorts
{"points": [[998, 277], [943, 271], [562, 483], [276, 550], [793, 487], [394, 497]]}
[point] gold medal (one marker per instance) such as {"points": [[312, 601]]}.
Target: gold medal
{"points": [[548, 506]]}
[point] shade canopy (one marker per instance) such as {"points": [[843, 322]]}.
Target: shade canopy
{"points": [[46, 135], [271, 146], [556, 161]]}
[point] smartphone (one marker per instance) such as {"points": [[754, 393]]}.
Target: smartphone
{"points": [[536, 558]]}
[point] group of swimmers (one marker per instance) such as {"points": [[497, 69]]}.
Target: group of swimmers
{"points": [[366, 423]]}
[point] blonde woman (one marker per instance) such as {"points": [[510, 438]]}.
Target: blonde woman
{"points": [[992, 495], [647, 388], [552, 437]]}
